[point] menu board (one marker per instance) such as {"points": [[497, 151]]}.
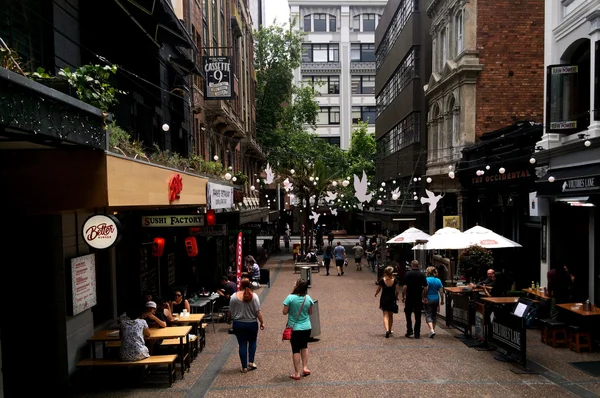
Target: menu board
{"points": [[83, 282], [148, 274]]}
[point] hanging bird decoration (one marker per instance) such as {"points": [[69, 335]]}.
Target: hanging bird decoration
{"points": [[333, 212], [270, 175], [331, 196], [360, 189], [315, 216], [287, 185], [432, 199]]}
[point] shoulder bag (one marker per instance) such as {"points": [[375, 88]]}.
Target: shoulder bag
{"points": [[287, 332]]}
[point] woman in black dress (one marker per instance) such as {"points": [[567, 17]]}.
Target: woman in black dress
{"points": [[388, 302]]}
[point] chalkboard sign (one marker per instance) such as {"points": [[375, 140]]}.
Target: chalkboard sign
{"points": [[148, 272], [461, 313], [479, 321], [507, 333]]}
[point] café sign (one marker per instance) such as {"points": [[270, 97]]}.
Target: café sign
{"points": [[173, 221], [219, 196], [580, 184], [101, 231], [218, 83], [509, 175]]}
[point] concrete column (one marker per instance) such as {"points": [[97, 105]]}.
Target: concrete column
{"points": [[592, 255], [594, 19]]}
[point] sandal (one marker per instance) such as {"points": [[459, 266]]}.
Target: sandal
{"points": [[306, 373], [252, 366], [244, 370], [294, 377]]}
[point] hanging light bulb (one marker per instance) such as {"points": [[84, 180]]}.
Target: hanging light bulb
{"points": [[311, 178], [230, 167], [450, 167], [292, 171], [315, 183], [451, 175], [345, 183], [550, 179], [316, 178], [258, 180], [342, 195], [347, 178], [165, 127], [487, 167], [429, 180], [419, 178], [379, 202], [216, 158], [383, 184], [395, 196], [227, 176], [415, 197], [334, 183], [587, 143], [532, 160], [368, 183], [234, 178], [380, 189], [393, 182], [415, 179], [252, 188], [502, 170], [415, 193], [266, 196]]}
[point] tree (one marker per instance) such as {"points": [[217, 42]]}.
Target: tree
{"points": [[362, 152]]}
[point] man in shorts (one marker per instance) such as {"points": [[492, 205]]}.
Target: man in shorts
{"points": [[358, 254]]}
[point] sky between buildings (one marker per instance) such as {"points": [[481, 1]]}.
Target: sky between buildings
{"points": [[277, 9]]}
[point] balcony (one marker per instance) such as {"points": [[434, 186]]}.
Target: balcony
{"points": [[321, 66], [356, 66], [34, 113]]}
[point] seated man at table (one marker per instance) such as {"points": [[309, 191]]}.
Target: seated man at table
{"points": [[154, 318], [488, 283], [229, 288]]}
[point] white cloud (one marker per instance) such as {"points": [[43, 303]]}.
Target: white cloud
{"points": [[277, 9]]}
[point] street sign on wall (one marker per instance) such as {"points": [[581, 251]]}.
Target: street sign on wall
{"points": [[219, 78]]}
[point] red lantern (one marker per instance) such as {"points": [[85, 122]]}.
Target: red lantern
{"points": [[211, 218], [158, 247], [191, 247]]}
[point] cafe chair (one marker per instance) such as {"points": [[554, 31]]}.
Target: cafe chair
{"points": [[556, 333], [579, 338]]}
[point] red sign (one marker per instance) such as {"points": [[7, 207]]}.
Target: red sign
{"points": [[175, 187], [239, 260], [514, 175], [488, 242], [101, 231], [400, 239]]}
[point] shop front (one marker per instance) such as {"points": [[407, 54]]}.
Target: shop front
{"points": [[497, 176], [568, 196]]}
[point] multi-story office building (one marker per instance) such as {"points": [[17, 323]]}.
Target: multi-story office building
{"points": [[339, 56], [569, 186], [257, 12], [403, 54]]}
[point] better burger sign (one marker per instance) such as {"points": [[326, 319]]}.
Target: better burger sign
{"points": [[101, 231]]}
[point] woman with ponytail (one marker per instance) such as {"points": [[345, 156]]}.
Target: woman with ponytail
{"points": [[244, 306]]}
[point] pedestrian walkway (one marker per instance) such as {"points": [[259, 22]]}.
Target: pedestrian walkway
{"points": [[352, 358]]}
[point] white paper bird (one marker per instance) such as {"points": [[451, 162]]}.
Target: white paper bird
{"points": [[396, 191], [287, 184], [432, 199], [270, 175], [315, 216], [331, 196], [333, 212], [360, 188]]}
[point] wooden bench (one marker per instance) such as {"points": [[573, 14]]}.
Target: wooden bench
{"points": [[186, 358], [153, 360], [202, 333]]}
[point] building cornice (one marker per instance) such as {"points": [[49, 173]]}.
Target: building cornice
{"points": [[576, 19], [324, 3]]}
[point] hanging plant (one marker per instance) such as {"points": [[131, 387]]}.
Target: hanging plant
{"points": [[92, 84]]}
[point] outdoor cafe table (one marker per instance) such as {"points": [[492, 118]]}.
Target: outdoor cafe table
{"points": [[537, 293], [589, 320], [459, 307], [170, 332]]}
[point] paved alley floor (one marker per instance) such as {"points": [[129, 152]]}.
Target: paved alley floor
{"points": [[352, 358]]}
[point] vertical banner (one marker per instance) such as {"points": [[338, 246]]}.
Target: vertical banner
{"points": [[218, 81], [239, 260]]}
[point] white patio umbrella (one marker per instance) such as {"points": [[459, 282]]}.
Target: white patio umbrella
{"points": [[411, 235], [447, 238], [489, 239]]}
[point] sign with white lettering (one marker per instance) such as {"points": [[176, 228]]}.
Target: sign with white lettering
{"points": [[218, 84], [580, 185], [101, 231], [461, 313], [219, 196], [173, 221], [83, 283], [507, 333]]}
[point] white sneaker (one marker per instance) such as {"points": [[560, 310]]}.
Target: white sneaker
{"points": [[431, 334]]}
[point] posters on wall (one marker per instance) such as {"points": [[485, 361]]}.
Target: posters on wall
{"points": [[219, 196], [83, 283]]}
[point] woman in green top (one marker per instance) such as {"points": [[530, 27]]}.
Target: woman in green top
{"points": [[298, 306]]}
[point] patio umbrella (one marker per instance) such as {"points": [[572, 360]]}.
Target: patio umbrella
{"points": [[411, 235], [489, 239], [447, 238]]}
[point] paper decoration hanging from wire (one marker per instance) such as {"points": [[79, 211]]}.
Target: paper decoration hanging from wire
{"points": [[432, 199], [270, 175], [360, 189]]}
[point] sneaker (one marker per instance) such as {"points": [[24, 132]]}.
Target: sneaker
{"points": [[431, 334], [408, 334], [387, 335]]}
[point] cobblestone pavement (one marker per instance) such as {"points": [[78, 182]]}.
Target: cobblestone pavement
{"points": [[352, 358]]}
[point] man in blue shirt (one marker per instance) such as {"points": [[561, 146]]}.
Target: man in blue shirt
{"points": [[339, 253]]}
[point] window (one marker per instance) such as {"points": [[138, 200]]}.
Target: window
{"points": [[363, 84], [320, 53], [405, 133], [444, 43], [308, 23], [403, 13], [332, 23], [319, 23], [324, 84], [406, 71], [214, 21], [204, 37], [223, 40], [459, 33], [364, 113], [335, 141], [329, 115], [368, 22], [362, 52], [356, 23]]}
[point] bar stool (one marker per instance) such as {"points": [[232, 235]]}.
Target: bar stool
{"points": [[576, 335], [543, 325], [557, 333]]}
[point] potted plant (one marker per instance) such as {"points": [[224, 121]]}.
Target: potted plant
{"points": [[474, 261]]}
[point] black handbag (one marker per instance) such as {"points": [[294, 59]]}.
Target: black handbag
{"points": [[396, 308]]}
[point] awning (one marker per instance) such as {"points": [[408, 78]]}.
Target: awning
{"points": [[583, 180], [185, 66], [158, 20]]}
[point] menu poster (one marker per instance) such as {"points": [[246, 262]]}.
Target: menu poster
{"points": [[83, 282]]}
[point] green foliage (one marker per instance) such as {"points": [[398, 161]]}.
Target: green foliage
{"points": [[40, 73], [92, 84], [120, 140], [362, 152], [10, 59], [241, 178], [474, 261]]}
